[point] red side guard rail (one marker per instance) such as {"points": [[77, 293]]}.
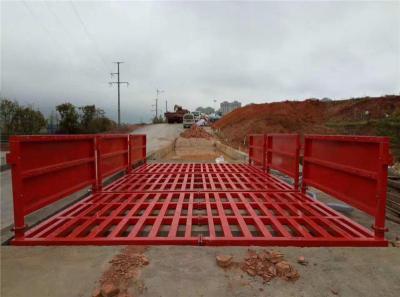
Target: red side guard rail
{"points": [[352, 169], [112, 156], [137, 149], [283, 153], [46, 169], [257, 150]]}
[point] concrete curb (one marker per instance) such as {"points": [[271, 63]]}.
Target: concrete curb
{"points": [[231, 152], [162, 152]]}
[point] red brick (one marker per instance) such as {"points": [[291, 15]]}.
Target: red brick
{"points": [[109, 290], [224, 260], [96, 293]]}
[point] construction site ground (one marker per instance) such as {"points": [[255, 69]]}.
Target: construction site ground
{"points": [[193, 271]]}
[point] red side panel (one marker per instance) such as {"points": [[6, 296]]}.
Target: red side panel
{"points": [[257, 150], [352, 169], [283, 151], [137, 148], [113, 153], [48, 168], [346, 167]]}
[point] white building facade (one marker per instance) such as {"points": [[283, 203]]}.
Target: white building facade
{"points": [[226, 107]]}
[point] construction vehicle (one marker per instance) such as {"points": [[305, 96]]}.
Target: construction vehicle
{"points": [[188, 120], [177, 115]]}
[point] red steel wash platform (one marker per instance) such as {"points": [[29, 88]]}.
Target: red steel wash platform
{"points": [[199, 204]]}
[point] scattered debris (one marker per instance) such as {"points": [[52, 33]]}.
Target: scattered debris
{"points": [[109, 290], [224, 261], [274, 256], [334, 291], [302, 260], [123, 270], [220, 160], [285, 270], [96, 293], [195, 132], [145, 260], [125, 294], [266, 264]]}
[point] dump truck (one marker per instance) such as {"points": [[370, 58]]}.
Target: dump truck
{"points": [[177, 115]]}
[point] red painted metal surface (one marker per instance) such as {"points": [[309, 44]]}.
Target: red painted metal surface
{"points": [[198, 182], [257, 150], [352, 169], [46, 169], [112, 155], [249, 216], [205, 204], [137, 149], [196, 168], [283, 154]]}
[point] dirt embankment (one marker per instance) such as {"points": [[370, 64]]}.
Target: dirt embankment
{"points": [[196, 132], [353, 116]]}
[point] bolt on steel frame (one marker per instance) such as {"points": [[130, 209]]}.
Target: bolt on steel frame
{"points": [[199, 204]]}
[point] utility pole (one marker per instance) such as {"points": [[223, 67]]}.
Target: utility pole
{"points": [[166, 105], [156, 107], [118, 82], [158, 93]]}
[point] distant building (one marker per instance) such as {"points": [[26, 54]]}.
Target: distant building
{"points": [[226, 107]]}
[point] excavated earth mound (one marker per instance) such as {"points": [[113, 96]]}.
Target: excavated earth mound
{"points": [[353, 116], [195, 132]]}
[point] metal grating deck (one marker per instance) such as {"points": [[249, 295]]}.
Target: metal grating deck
{"points": [[199, 204]]}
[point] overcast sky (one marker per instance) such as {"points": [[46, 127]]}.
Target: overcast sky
{"points": [[53, 52]]}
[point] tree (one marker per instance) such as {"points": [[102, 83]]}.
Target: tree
{"points": [[28, 121], [93, 120], [101, 124], [88, 113], [8, 109], [69, 118], [16, 119]]}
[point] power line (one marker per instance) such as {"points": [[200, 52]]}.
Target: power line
{"points": [[33, 14], [118, 82], [87, 33], [56, 17]]}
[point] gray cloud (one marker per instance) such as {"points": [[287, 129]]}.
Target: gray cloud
{"points": [[249, 51]]}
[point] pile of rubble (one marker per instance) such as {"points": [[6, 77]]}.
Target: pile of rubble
{"points": [[195, 132], [265, 264], [124, 268]]}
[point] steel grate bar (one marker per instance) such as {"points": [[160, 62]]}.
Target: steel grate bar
{"points": [[212, 204]]}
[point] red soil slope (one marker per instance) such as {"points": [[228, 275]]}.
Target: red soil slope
{"points": [[309, 116]]}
